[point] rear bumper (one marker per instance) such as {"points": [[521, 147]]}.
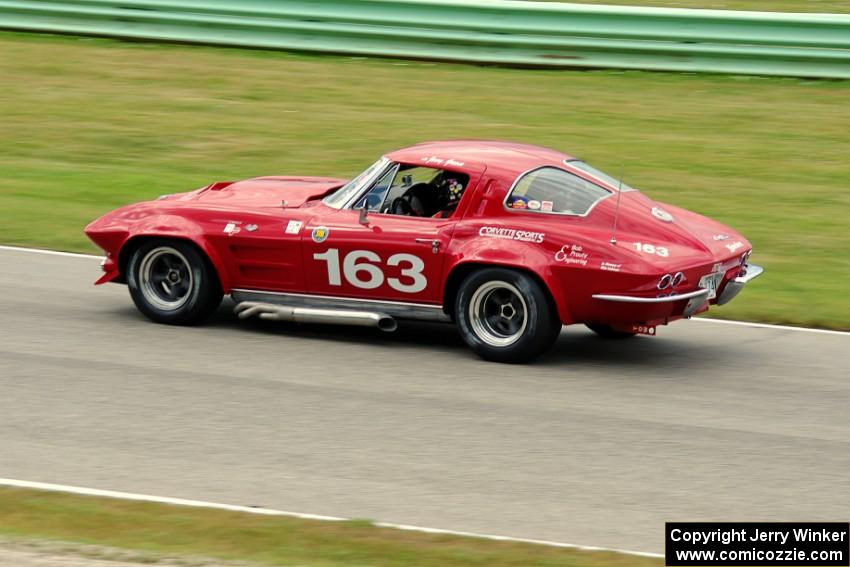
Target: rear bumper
{"points": [[696, 300], [662, 299], [734, 286], [654, 308]]}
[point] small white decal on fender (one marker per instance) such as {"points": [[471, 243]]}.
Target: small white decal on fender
{"points": [[294, 227]]}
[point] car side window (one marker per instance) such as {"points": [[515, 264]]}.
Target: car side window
{"points": [[411, 190], [553, 190]]}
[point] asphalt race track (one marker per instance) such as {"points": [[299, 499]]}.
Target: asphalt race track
{"points": [[599, 443]]}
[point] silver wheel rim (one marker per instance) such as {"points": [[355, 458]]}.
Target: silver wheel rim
{"points": [[165, 278], [498, 313]]}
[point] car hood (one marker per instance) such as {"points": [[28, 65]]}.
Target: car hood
{"points": [[268, 191]]}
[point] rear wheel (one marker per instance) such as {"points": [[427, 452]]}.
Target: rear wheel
{"points": [[608, 332], [172, 282], [505, 315]]}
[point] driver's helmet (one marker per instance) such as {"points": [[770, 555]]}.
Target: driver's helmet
{"points": [[454, 190]]}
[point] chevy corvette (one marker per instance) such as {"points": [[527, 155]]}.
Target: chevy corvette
{"points": [[508, 241]]}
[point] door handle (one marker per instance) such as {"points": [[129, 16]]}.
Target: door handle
{"points": [[435, 244]]}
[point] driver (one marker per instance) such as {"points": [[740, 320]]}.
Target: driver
{"points": [[437, 198], [418, 201]]}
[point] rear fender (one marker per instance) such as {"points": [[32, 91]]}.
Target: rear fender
{"points": [[524, 257]]}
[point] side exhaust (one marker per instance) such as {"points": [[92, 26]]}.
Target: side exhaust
{"points": [[272, 312]]}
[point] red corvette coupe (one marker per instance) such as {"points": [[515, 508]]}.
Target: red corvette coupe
{"points": [[508, 241]]}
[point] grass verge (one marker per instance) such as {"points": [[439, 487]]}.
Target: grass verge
{"points": [[269, 540], [91, 124]]}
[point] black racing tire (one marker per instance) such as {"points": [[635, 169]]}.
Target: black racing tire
{"points": [[172, 282], [608, 332], [506, 315]]}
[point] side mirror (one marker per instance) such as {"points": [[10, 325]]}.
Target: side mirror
{"points": [[370, 202]]}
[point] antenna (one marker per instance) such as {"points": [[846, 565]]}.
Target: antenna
{"points": [[617, 206]]}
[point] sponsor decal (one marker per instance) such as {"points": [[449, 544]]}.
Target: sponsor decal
{"points": [[534, 205], [661, 214], [251, 227], [294, 227], [511, 234], [320, 234], [231, 228], [609, 267], [720, 237], [519, 204], [546, 205], [735, 246], [572, 254]]}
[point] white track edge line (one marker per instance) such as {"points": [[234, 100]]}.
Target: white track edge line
{"points": [[771, 326], [704, 319], [10, 482], [49, 252]]}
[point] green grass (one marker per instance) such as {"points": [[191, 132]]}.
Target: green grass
{"points": [[269, 540], [92, 124], [823, 6]]}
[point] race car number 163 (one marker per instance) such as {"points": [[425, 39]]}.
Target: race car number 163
{"points": [[359, 271]]}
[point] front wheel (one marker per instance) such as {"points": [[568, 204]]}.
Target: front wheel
{"points": [[172, 282], [505, 315]]}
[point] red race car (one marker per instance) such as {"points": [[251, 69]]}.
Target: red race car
{"points": [[509, 241]]}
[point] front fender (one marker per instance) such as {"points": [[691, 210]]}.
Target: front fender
{"points": [[116, 231], [177, 227]]}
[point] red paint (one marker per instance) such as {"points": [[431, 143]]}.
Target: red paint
{"points": [[574, 258]]}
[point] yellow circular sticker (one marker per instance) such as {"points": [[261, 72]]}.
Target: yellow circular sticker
{"points": [[320, 234]]}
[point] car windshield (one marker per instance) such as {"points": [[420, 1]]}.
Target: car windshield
{"points": [[344, 194], [600, 175]]}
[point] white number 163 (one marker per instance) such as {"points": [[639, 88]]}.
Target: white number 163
{"points": [[360, 272]]}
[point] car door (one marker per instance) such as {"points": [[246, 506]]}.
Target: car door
{"points": [[387, 257]]}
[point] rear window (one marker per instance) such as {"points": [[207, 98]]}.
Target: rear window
{"points": [[553, 190], [587, 168]]}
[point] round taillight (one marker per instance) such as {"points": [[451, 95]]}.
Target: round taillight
{"points": [[665, 281], [678, 279]]}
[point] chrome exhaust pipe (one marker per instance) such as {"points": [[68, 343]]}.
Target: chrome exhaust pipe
{"points": [[272, 312]]}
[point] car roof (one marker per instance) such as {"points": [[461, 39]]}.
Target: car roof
{"points": [[511, 156]]}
